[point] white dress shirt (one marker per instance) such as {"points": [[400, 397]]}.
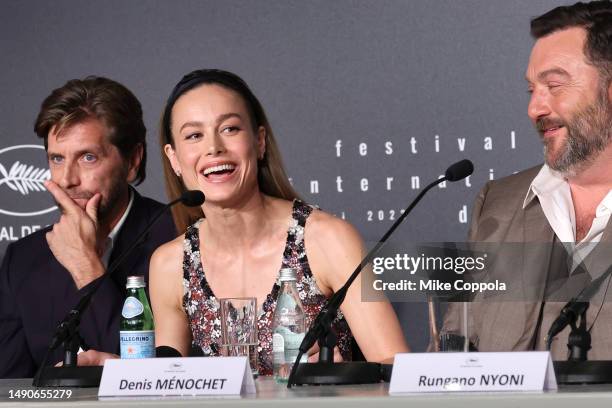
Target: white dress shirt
{"points": [[108, 248], [555, 197]]}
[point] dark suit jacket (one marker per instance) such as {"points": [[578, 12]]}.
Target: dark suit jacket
{"points": [[498, 217], [36, 292]]}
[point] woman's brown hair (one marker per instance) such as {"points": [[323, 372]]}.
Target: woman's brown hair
{"points": [[271, 175]]}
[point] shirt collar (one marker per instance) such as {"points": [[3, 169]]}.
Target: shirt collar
{"points": [[549, 180], [545, 182], [113, 234], [605, 207], [110, 240]]}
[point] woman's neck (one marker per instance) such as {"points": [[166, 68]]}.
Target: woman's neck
{"points": [[244, 225]]}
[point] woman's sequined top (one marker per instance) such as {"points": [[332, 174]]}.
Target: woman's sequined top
{"points": [[202, 307]]}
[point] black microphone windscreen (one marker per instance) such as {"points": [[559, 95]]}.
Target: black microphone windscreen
{"points": [[459, 170], [166, 351], [192, 198]]}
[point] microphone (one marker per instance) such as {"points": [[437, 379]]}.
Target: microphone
{"points": [[577, 369], [166, 351], [192, 198], [569, 314], [575, 307], [67, 331], [321, 326], [459, 170]]}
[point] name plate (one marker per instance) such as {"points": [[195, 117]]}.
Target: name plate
{"points": [[451, 372], [176, 376]]}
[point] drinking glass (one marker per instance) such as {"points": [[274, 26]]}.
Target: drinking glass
{"points": [[444, 340], [239, 329]]}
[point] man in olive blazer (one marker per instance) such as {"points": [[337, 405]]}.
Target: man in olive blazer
{"points": [[567, 202], [515, 325]]}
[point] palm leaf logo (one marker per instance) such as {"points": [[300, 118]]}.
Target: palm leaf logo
{"points": [[23, 178]]}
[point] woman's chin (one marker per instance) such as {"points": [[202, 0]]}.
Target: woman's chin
{"points": [[221, 200]]}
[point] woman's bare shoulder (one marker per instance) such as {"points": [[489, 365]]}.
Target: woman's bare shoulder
{"points": [[334, 248], [168, 257], [329, 229]]}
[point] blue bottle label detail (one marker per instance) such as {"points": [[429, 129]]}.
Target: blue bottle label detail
{"points": [[132, 307], [137, 344]]}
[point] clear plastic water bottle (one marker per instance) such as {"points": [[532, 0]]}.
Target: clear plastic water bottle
{"points": [[137, 332], [288, 326]]}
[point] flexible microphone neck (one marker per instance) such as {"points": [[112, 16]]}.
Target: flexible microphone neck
{"points": [[455, 172], [338, 297]]}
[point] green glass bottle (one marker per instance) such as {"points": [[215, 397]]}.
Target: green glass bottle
{"points": [[137, 331]]}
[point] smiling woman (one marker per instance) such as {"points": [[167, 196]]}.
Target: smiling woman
{"points": [[217, 139], [271, 176]]}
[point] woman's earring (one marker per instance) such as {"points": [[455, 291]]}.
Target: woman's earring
{"points": [[178, 173]]}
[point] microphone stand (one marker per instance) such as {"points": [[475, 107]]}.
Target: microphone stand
{"points": [[67, 332], [579, 340], [325, 371], [578, 369]]}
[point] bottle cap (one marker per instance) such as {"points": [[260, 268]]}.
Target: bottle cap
{"points": [[287, 274], [135, 282]]}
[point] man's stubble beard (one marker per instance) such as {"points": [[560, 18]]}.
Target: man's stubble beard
{"points": [[107, 208], [589, 132]]}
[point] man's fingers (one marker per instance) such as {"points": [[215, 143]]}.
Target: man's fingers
{"points": [[85, 359], [94, 358], [65, 202], [92, 207]]}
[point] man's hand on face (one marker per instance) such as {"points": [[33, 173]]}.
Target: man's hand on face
{"points": [[74, 238]]}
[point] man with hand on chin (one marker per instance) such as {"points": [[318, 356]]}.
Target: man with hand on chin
{"points": [[82, 256], [94, 136]]}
